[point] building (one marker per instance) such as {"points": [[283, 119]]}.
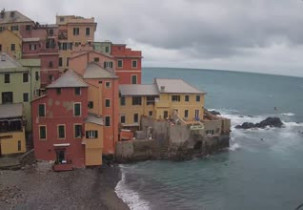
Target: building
{"points": [[12, 130], [63, 130], [11, 43], [74, 31], [164, 99], [14, 21], [127, 61], [97, 70], [19, 83], [40, 42]]}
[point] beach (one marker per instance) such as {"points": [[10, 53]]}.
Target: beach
{"points": [[37, 187]]}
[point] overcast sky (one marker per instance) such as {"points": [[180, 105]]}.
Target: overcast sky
{"points": [[245, 35]]}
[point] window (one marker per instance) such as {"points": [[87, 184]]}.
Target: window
{"points": [[165, 114], [42, 132], [13, 48], [61, 19], [52, 78], [76, 31], [7, 97], [108, 64], [50, 64], [107, 84], [14, 28], [107, 49], [186, 113], [37, 76], [32, 47], [87, 31], [122, 119], [134, 79], [150, 100], [77, 109], [25, 97], [120, 63], [0, 47], [25, 77], [51, 32], [136, 118], [187, 98], [134, 64], [150, 113], [19, 145], [90, 104], [175, 98], [67, 61], [136, 100], [107, 102], [77, 91], [60, 61], [93, 134], [96, 59], [41, 111], [6, 78], [78, 131], [197, 98], [122, 100], [61, 131], [28, 27], [107, 121], [2, 28], [58, 90]]}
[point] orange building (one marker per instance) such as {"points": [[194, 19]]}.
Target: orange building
{"points": [[97, 71]]}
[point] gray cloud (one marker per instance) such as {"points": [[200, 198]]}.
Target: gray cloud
{"points": [[227, 34]]}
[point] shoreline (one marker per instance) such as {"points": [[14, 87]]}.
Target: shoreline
{"points": [[39, 188]]}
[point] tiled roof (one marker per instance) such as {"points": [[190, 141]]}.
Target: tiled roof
{"points": [[175, 86], [94, 71], [136, 89], [7, 62], [11, 110], [68, 79], [14, 17], [94, 119]]}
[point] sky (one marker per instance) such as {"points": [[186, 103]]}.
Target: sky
{"points": [[264, 36]]}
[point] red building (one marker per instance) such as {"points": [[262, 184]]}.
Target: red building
{"points": [[40, 41], [128, 64], [59, 120]]}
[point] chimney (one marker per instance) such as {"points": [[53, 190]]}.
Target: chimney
{"points": [[162, 88], [3, 57]]}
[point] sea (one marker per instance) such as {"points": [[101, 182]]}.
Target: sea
{"points": [[262, 168]]}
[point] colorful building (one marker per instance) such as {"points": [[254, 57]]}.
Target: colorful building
{"points": [[19, 83], [11, 43], [12, 130], [74, 31], [97, 70], [164, 99]]}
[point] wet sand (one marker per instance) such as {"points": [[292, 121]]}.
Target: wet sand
{"points": [[36, 188]]}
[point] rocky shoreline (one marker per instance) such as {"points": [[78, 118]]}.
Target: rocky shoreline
{"points": [[37, 187]]}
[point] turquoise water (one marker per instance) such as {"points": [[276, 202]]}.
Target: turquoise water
{"points": [[261, 170]]}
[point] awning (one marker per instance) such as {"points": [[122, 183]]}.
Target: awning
{"points": [[62, 145]]}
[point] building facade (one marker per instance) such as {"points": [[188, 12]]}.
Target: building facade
{"points": [[11, 43]]}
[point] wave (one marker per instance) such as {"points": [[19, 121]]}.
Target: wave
{"points": [[234, 147], [129, 196], [288, 114]]}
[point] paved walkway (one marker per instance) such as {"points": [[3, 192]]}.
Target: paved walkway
{"points": [[9, 162]]}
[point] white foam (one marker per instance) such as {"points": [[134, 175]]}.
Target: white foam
{"points": [[288, 114], [129, 196], [234, 147]]}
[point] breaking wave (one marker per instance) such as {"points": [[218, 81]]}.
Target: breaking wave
{"points": [[234, 147], [129, 196]]}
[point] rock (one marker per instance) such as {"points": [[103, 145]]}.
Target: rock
{"points": [[213, 112], [270, 121]]}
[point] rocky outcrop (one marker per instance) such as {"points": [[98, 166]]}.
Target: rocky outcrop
{"points": [[214, 112], [270, 121]]}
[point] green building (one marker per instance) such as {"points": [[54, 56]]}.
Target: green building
{"points": [[103, 47], [19, 83]]}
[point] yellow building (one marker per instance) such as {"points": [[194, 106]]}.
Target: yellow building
{"points": [[12, 131], [11, 43], [74, 32], [164, 99]]}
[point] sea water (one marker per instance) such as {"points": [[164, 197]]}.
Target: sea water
{"points": [[262, 169]]}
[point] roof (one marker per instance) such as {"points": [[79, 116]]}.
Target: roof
{"points": [[11, 110], [14, 17], [175, 86], [68, 79], [94, 119], [8, 63], [137, 90], [94, 71], [32, 62], [31, 39]]}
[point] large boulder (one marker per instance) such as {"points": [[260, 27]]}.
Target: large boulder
{"points": [[270, 121], [214, 112]]}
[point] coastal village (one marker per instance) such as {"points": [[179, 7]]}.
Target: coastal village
{"points": [[76, 102]]}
